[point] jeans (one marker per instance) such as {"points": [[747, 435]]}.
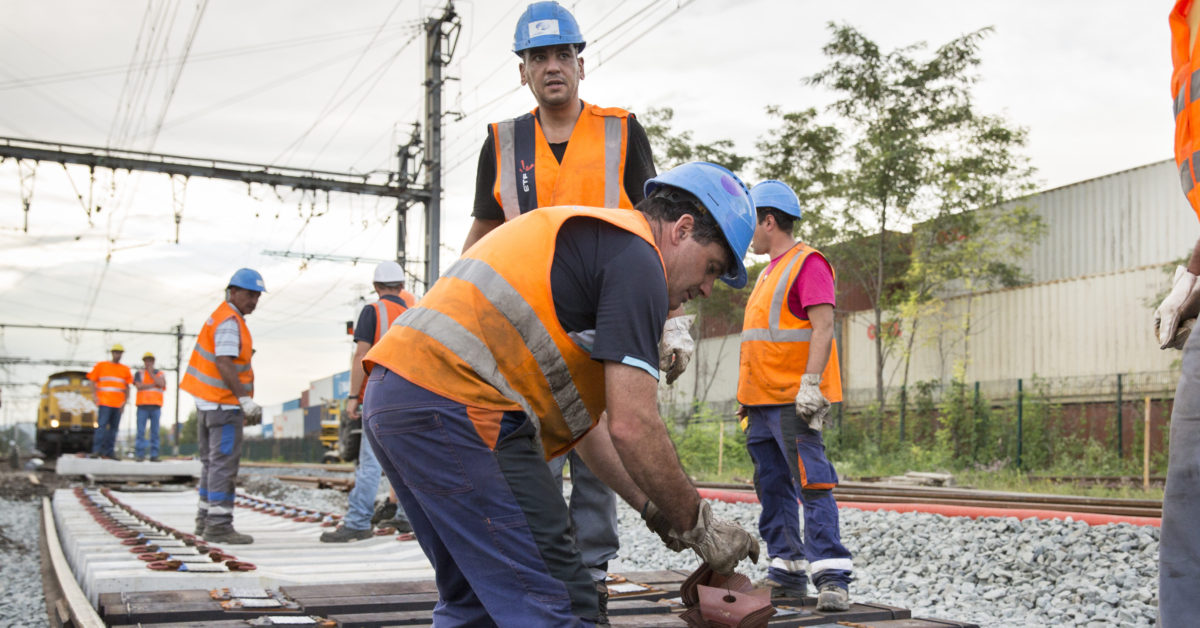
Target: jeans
{"points": [[491, 521], [366, 486], [146, 414], [104, 440]]}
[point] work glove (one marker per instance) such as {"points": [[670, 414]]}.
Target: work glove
{"points": [[658, 524], [1173, 320], [722, 544], [676, 348], [252, 410], [809, 400], [818, 420]]}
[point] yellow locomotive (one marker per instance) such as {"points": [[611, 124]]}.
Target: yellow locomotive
{"points": [[66, 418]]}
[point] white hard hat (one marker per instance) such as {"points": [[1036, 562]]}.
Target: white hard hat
{"points": [[389, 272]]}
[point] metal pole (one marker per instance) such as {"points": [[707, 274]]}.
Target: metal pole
{"points": [[1120, 444], [1146, 449], [1020, 417], [975, 424], [434, 60], [903, 407], [178, 378]]}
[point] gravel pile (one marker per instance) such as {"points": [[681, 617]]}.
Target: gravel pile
{"points": [[22, 603], [993, 571]]}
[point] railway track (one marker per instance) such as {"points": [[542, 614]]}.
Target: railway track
{"points": [[868, 492]]}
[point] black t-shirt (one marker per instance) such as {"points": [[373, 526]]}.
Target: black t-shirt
{"points": [[365, 329], [639, 166], [610, 293]]}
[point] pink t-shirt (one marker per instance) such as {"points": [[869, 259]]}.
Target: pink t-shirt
{"points": [[814, 285]]}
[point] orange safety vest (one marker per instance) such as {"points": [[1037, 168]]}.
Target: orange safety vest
{"points": [[1185, 88], [528, 175], [149, 396], [409, 300], [775, 341], [386, 313], [112, 381], [487, 335], [202, 379]]}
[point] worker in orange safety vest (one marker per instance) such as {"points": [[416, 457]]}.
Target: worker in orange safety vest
{"points": [[221, 379], [514, 356], [1179, 545], [111, 380], [150, 383]]}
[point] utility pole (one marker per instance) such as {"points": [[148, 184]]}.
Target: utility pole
{"points": [[178, 379], [441, 38]]}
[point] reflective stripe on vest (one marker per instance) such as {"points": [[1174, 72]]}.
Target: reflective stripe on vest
{"points": [[528, 175], [775, 342], [487, 334], [148, 396], [202, 378], [1185, 90]]}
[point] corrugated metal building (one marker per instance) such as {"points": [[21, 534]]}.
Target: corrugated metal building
{"points": [[1087, 314]]}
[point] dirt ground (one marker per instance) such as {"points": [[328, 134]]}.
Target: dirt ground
{"points": [[24, 485]]}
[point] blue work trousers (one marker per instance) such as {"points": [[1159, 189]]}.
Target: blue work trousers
{"points": [[147, 415], [491, 521], [104, 441], [1179, 545], [593, 509], [790, 468]]}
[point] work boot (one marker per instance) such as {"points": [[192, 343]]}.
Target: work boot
{"points": [[401, 526], [225, 533], [139, 459], [779, 590], [833, 598], [385, 511], [345, 535], [602, 599], [155, 459], [199, 531]]}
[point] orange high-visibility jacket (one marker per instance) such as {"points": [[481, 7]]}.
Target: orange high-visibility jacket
{"points": [[591, 173], [409, 298], [1185, 89], [775, 342], [112, 382], [149, 396], [202, 379], [487, 334]]}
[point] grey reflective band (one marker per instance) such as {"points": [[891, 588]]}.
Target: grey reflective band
{"points": [[537, 339], [1179, 101], [508, 183], [216, 382], [612, 162], [779, 301], [1185, 176], [212, 357], [466, 346], [110, 379]]}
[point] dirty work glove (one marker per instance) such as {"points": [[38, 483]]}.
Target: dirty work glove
{"points": [[817, 420], [676, 348], [809, 400], [1169, 315], [658, 524], [722, 544], [252, 410]]}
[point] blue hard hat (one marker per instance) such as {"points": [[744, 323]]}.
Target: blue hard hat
{"points": [[247, 279], [776, 195], [546, 24], [725, 197]]}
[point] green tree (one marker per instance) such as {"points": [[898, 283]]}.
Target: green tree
{"points": [[187, 431], [907, 146], [672, 148]]}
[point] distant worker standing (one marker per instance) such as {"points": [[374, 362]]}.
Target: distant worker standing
{"points": [[513, 357], [568, 152], [150, 383], [221, 379], [373, 323], [1179, 547], [111, 380], [788, 375]]}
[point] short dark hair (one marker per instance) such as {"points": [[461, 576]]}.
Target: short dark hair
{"points": [[390, 285], [669, 204], [785, 221]]}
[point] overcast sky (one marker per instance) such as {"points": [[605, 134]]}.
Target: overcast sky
{"points": [[336, 86]]}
